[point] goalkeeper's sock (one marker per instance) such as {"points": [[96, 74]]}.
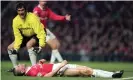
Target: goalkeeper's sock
{"points": [[57, 55], [13, 58], [52, 60], [102, 73], [32, 56]]}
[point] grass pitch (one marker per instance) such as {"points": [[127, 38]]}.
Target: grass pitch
{"points": [[109, 66]]}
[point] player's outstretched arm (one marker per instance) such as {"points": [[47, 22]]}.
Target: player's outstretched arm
{"points": [[56, 70], [55, 16]]}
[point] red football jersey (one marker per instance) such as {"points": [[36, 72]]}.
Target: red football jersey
{"points": [[39, 70], [47, 14]]}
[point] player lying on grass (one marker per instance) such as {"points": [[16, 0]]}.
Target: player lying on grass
{"points": [[62, 69]]}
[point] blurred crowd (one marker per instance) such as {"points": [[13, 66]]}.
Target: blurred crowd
{"points": [[98, 30]]}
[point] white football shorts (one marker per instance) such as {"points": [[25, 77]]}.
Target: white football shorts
{"points": [[50, 35]]}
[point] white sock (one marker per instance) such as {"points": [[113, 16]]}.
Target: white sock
{"points": [[57, 55], [52, 60], [32, 56], [13, 58], [102, 73]]}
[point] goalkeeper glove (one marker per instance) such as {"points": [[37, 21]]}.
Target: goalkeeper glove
{"points": [[13, 51], [37, 49]]}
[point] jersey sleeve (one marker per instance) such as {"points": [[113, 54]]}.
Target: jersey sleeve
{"points": [[17, 35], [39, 30], [56, 17]]}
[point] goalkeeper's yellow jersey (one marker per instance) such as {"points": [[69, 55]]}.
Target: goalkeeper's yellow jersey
{"points": [[28, 27]]}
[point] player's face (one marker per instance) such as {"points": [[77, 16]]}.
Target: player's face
{"points": [[21, 12], [43, 3], [20, 68]]}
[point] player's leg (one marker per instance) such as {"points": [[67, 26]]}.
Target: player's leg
{"points": [[72, 72], [102, 73], [54, 44], [77, 70], [84, 70], [67, 70], [107, 74], [87, 71], [12, 54], [32, 54]]}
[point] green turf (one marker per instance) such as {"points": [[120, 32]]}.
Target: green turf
{"points": [[128, 67]]}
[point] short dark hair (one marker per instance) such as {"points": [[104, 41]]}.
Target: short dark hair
{"points": [[17, 73], [20, 5]]}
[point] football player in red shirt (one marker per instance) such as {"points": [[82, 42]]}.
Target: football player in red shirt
{"points": [[62, 69], [39, 69], [45, 13]]}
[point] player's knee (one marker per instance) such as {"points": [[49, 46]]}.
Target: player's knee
{"points": [[9, 47], [86, 71], [11, 50], [55, 46], [89, 71], [82, 72], [28, 46], [30, 43]]}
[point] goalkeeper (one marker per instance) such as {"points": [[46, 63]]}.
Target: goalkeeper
{"points": [[28, 31]]}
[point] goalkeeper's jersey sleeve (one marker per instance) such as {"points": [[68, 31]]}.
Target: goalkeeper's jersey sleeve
{"points": [[28, 27]]}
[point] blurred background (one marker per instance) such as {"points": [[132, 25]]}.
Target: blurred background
{"points": [[98, 30]]}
